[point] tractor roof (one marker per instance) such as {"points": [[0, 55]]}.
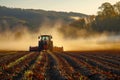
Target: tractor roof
{"points": [[46, 36]]}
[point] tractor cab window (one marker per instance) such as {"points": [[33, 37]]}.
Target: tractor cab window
{"points": [[44, 38]]}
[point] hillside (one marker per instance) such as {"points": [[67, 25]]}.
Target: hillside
{"points": [[33, 18], [106, 21]]}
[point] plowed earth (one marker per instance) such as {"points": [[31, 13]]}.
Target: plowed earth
{"points": [[46, 65]]}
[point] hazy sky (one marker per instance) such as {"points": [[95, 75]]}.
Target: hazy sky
{"points": [[82, 6]]}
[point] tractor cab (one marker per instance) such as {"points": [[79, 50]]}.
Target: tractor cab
{"points": [[45, 42]]}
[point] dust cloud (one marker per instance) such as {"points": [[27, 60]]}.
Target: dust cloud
{"points": [[70, 38]]}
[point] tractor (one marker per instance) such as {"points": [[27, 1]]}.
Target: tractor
{"points": [[44, 43]]}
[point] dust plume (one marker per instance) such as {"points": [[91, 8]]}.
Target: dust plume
{"points": [[70, 38]]}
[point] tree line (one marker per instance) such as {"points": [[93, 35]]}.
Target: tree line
{"points": [[107, 19]]}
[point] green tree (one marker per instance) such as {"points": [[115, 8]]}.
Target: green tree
{"points": [[107, 10], [117, 8]]}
